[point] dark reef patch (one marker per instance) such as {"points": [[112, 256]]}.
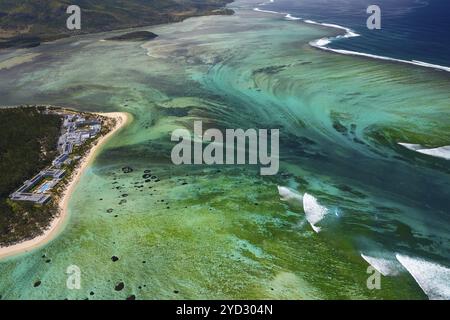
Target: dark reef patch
{"points": [[127, 170], [119, 286], [135, 36]]}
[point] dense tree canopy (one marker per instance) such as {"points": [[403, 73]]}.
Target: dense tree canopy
{"points": [[27, 22], [28, 141]]}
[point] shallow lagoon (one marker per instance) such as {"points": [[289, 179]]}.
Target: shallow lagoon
{"points": [[223, 232]]}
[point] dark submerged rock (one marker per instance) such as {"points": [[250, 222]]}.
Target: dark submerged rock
{"points": [[127, 170], [119, 286], [135, 36]]}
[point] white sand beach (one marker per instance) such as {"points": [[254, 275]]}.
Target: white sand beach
{"points": [[57, 225]]}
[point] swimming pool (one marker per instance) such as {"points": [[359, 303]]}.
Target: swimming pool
{"points": [[45, 187]]}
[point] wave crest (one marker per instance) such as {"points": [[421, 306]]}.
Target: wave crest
{"points": [[349, 33], [314, 211], [433, 278], [387, 267]]}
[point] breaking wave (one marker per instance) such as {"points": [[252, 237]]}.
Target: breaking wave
{"points": [[314, 212], [290, 196], [323, 43], [387, 267], [440, 152], [433, 278]]}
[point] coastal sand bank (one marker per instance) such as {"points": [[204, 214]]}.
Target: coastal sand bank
{"points": [[57, 225]]}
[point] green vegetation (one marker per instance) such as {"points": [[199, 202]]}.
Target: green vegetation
{"points": [[135, 36], [28, 22], [28, 141]]}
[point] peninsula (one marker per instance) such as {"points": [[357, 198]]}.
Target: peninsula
{"points": [[38, 208]]}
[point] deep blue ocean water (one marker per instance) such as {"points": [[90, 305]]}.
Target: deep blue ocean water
{"points": [[410, 29]]}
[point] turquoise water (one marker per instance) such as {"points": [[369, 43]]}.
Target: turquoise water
{"points": [[223, 232]]}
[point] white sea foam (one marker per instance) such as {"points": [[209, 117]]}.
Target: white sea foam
{"points": [[322, 42], [291, 17], [440, 152], [355, 53], [349, 33], [387, 267], [314, 211], [433, 278], [411, 146], [290, 196], [267, 11]]}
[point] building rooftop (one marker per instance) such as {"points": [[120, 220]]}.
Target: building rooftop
{"points": [[70, 136]]}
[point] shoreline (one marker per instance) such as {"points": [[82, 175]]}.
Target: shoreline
{"points": [[62, 36], [58, 223]]}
